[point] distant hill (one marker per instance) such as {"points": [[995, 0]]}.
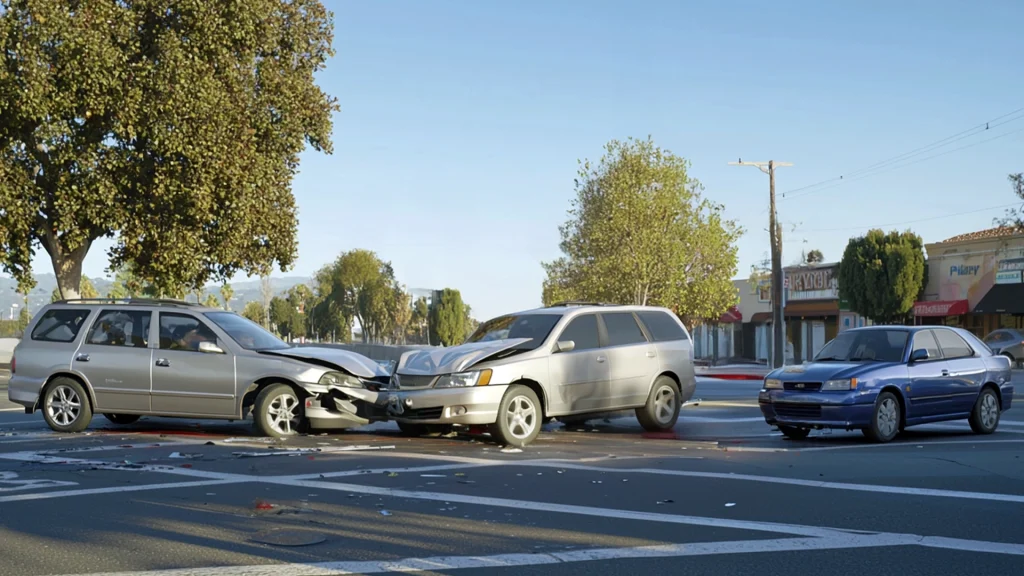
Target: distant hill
{"points": [[245, 291]]}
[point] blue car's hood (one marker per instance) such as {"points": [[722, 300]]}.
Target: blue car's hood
{"points": [[821, 371]]}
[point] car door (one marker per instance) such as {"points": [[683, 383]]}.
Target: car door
{"points": [[185, 380], [579, 373], [115, 357], [929, 379], [632, 361], [966, 371]]}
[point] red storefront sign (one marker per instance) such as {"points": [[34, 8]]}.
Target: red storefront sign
{"points": [[731, 315], [941, 308]]}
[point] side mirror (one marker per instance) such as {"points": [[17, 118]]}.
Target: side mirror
{"points": [[918, 355], [565, 346], [210, 348]]}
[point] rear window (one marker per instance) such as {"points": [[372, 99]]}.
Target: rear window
{"points": [[60, 325], [662, 326]]}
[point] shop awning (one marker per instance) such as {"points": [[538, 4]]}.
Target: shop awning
{"points": [[941, 308], [1002, 299], [761, 317], [731, 315]]}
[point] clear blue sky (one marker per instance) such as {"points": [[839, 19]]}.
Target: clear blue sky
{"points": [[461, 123]]}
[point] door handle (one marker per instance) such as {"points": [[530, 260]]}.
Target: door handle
{"points": [[651, 354], [600, 358], [82, 358], [163, 362]]}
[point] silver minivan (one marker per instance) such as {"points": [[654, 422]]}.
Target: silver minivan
{"points": [[516, 371], [129, 358]]}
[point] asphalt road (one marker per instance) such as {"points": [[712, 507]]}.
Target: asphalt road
{"points": [[722, 495]]}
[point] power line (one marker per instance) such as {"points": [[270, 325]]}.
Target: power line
{"points": [[950, 215], [984, 126], [911, 163]]}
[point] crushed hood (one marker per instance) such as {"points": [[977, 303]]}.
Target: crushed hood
{"points": [[453, 359], [355, 364]]}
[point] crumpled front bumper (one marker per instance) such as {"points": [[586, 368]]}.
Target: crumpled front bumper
{"points": [[345, 407], [468, 406]]}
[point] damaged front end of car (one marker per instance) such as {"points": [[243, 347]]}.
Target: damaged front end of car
{"points": [[341, 400]]}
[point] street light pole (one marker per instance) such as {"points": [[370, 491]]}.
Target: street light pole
{"points": [[775, 237]]}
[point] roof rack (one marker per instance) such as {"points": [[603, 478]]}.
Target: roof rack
{"points": [[579, 303], [131, 301]]}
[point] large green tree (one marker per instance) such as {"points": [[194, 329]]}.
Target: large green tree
{"points": [[173, 127], [641, 232], [882, 274], [420, 318], [254, 311], [365, 286], [448, 318]]}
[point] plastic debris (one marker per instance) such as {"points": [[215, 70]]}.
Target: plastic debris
{"points": [[467, 481], [260, 440], [595, 481], [511, 450], [432, 476], [392, 474], [460, 473], [666, 501], [182, 455], [730, 504], [263, 505]]}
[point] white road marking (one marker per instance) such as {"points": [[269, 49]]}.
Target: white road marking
{"points": [[964, 427], [16, 409], [521, 560], [112, 490]]}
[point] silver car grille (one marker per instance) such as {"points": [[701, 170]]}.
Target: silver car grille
{"points": [[412, 381]]}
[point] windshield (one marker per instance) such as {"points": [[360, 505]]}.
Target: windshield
{"points": [[246, 333], [535, 326], [865, 345]]}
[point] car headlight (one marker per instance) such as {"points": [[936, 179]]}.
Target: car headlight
{"points": [[772, 384], [340, 379], [845, 384], [464, 379]]}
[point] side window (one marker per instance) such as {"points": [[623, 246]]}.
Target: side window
{"points": [[60, 325], [662, 326], [993, 337], [926, 340], [183, 332], [622, 329], [583, 332], [121, 328], [953, 346]]}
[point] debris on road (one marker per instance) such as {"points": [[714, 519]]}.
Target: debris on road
{"points": [[385, 513], [432, 476], [511, 450], [182, 455], [666, 501], [730, 504], [260, 440], [261, 504]]}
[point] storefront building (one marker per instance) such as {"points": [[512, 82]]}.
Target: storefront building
{"points": [[975, 281], [722, 338]]}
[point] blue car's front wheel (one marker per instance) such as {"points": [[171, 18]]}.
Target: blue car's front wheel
{"points": [[885, 422]]}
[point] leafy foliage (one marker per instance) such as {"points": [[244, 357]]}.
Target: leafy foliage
{"points": [[813, 257], [254, 311], [211, 301], [882, 274], [173, 126], [226, 294], [420, 318], [23, 319], [640, 232], [448, 318], [1014, 217]]}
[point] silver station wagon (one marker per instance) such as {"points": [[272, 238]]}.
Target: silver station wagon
{"points": [[130, 358], [518, 370]]}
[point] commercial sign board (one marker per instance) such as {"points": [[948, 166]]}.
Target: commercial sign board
{"points": [[1011, 264], [941, 308], [964, 270], [1008, 277], [813, 284]]}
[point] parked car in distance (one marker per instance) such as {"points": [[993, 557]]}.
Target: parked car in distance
{"points": [[1008, 342], [131, 358], [882, 379], [516, 371]]}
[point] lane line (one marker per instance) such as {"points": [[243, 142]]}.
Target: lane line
{"points": [[438, 563], [113, 490]]}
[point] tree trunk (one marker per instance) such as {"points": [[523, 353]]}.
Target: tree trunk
{"points": [[67, 266]]}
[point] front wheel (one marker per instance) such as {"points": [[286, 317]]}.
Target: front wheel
{"points": [[662, 409], [278, 412], [122, 419], [66, 406], [886, 420], [984, 417], [519, 417], [794, 432]]}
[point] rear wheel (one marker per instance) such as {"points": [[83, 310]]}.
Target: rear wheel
{"points": [[519, 417], [886, 420], [661, 412], [984, 417], [795, 432], [66, 406], [123, 419], [278, 412]]}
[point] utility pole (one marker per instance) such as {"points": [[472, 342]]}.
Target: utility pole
{"points": [[775, 235]]}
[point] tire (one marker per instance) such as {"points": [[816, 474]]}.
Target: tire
{"points": [[886, 419], [984, 417], [794, 432], [661, 412], [519, 417], [413, 430], [278, 412], [66, 406], [122, 419]]}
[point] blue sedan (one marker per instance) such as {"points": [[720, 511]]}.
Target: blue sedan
{"points": [[881, 379]]}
